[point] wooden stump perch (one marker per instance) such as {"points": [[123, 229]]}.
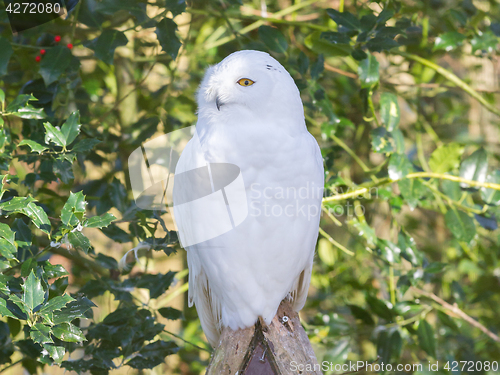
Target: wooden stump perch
{"points": [[282, 348]]}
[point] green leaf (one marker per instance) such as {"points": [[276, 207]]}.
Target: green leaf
{"points": [[157, 284], [362, 314], [379, 307], [486, 42], [56, 303], [153, 354], [85, 145], [336, 38], [27, 206], [460, 225], [54, 135], [165, 32], [7, 250], [446, 158], [426, 338], [2, 96], [55, 352], [63, 169], [68, 332], [4, 311], [74, 209], [346, 19], [23, 234], [474, 167], [34, 146], [171, 313], [37, 216], [105, 44], [409, 249], [81, 308], [79, 241], [53, 271], [389, 110], [382, 141], [412, 190], [106, 261], [100, 221], [33, 292], [492, 196], [323, 47], [54, 63], [40, 333], [389, 344], [368, 72], [273, 39], [71, 128], [399, 166], [7, 233], [7, 51], [175, 6], [448, 41]]}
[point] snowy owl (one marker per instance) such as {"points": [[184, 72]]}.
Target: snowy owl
{"points": [[250, 117]]}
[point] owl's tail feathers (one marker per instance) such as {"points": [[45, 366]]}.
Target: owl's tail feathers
{"points": [[207, 305], [298, 293]]}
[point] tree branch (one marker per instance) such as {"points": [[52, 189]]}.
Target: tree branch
{"points": [[455, 310]]}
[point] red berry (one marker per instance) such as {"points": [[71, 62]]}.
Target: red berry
{"points": [[42, 52], [38, 58], [57, 38], [70, 46]]}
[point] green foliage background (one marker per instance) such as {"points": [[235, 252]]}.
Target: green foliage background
{"points": [[403, 99]]}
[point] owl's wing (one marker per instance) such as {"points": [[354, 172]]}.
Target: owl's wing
{"points": [[299, 291], [207, 304], [200, 294]]}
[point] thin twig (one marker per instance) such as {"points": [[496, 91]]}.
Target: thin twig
{"points": [[453, 78], [455, 310], [335, 243]]}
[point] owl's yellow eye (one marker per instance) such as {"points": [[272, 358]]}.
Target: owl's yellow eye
{"points": [[245, 82]]}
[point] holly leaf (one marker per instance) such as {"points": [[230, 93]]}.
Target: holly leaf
{"points": [[34, 146], [399, 166], [446, 158], [368, 72], [71, 128], [105, 44], [448, 41], [68, 332], [273, 39], [40, 333], [54, 63], [460, 225], [34, 294], [346, 19], [79, 241], [389, 110], [7, 52], [74, 209], [474, 167], [54, 135], [426, 338], [100, 221], [165, 32]]}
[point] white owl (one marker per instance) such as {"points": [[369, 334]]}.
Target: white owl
{"points": [[251, 117]]}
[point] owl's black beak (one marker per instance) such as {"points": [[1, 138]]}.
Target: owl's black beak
{"points": [[218, 103]]}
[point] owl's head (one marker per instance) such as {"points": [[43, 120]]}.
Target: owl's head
{"points": [[250, 82]]}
